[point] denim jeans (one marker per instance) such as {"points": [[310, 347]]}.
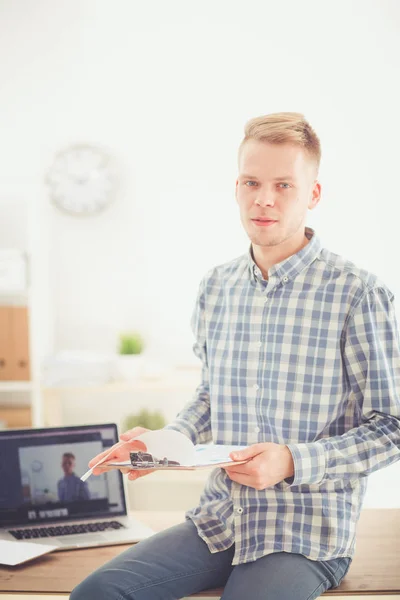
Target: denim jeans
{"points": [[177, 563]]}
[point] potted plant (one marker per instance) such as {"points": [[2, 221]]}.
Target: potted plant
{"points": [[130, 359], [145, 418]]}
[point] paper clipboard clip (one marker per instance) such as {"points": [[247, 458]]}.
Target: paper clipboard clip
{"points": [[145, 460]]}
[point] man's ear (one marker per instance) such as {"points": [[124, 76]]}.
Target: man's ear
{"points": [[236, 188], [315, 195]]}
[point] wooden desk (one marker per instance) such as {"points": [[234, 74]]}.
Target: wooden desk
{"points": [[375, 571]]}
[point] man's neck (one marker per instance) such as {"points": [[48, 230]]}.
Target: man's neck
{"points": [[267, 257]]}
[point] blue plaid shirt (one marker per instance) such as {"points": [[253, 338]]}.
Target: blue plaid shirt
{"points": [[309, 358], [72, 489]]}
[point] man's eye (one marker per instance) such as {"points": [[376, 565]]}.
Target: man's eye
{"points": [[286, 185], [249, 183]]}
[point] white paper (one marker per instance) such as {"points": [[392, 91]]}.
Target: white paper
{"points": [[175, 446], [208, 454], [169, 443], [160, 443], [15, 553]]}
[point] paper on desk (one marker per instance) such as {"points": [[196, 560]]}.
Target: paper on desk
{"points": [[15, 553]]}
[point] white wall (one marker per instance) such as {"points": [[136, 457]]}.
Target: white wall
{"points": [[166, 87]]}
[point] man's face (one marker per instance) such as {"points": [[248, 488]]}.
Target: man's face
{"points": [[68, 465], [275, 182]]}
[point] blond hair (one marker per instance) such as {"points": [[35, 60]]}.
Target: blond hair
{"points": [[284, 127]]}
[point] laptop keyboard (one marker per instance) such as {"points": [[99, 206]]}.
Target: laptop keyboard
{"points": [[41, 532]]}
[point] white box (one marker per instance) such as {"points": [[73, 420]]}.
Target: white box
{"points": [[13, 271]]}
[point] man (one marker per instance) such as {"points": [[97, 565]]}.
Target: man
{"points": [[70, 487], [301, 362]]}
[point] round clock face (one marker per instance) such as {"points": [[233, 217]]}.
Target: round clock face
{"points": [[36, 466], [81, 180]]}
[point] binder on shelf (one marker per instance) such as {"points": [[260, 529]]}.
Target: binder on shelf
{"points": [[20, 363], [6, 368], [14, 343], [15, 416]]}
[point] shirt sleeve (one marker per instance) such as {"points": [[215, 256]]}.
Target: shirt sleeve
{"points": [[371, 357], [194, 419]]}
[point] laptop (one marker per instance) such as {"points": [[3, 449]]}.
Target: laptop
{"points": [[43, 500]]}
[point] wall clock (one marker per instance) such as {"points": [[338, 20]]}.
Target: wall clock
{"points": [[36, 466], [82, 180]]}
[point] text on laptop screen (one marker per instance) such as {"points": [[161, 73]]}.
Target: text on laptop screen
{"points": [[40, 472]]}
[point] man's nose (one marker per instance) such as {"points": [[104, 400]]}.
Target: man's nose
{"points": [[265, 198]]}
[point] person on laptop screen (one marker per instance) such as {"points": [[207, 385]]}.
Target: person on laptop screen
{"points": [[70, 488]]}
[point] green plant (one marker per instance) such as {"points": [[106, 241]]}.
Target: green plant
{"points": [[145, 418], [130, 343]]}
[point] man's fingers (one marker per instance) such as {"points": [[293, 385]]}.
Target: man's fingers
{"points": [[136, 474], [131, 433], [242, 478], [248, 452], [119, 452], [102, 455], [100, 470], [138, 445], [240, 470]]}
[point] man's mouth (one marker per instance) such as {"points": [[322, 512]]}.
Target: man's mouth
{"points": [[264, 222]]}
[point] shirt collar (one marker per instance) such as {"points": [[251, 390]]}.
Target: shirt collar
{"points": [[289, 267]]}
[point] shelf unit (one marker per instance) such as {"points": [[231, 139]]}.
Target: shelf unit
{"points": [[16, 386], [33, 238]]}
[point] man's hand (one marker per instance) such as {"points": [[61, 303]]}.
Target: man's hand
{"points": [[120, 452], [268, 464], [128, 435]]}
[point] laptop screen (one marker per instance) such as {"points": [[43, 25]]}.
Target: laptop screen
{"points": [[40, 472]]}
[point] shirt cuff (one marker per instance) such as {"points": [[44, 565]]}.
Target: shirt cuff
{"points": [[309, 463]]}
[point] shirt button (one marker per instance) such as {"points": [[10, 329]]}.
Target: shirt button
{"points": [[285, 279], [239, 510], [257, 429], [256, 387]]}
